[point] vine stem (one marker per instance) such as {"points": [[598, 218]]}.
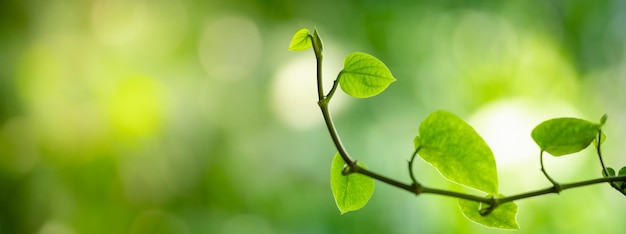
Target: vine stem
{"points": [[599, 152], [413, 179], [323, 103], [555, 185], [415, 187], [604, 169]]}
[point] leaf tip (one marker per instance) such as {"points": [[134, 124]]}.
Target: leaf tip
{"points": [[317, 42]]}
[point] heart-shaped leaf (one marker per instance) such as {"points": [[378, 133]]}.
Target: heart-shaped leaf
{"points": [[610, 170], [363, 75], [503, 216], [457, 151], [301, 40], [563, 136], [622, 184], [351, 192]]}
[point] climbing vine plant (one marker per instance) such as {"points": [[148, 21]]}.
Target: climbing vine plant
{"points": [[447, 143]]}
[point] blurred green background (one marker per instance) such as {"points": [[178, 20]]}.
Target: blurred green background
{"points": [[173, 116]]}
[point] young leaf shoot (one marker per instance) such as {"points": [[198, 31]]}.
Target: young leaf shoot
{"points": [[301, 40]]}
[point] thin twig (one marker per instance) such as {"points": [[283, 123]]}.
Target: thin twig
{"points": [[555, 185], [413, 179]]}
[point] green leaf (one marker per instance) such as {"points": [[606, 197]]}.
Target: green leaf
{"points": [[563, 136], [504, 216], [610, 170], [621, 184], [301, 40], [363, 75], [458, 152], [352, 191]]}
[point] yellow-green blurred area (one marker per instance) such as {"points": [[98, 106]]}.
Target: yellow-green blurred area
{"points": [[173, 116]]}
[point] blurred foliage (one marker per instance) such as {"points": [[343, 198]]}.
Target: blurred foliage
{"points": [[192, 117]]}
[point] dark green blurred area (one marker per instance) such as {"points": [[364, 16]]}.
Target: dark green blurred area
{"points": [[192, 117]]}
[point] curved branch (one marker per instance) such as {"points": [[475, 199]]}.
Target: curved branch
{"points": [[555, 186], [604, 169], [417, 188], [413, 179]]}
